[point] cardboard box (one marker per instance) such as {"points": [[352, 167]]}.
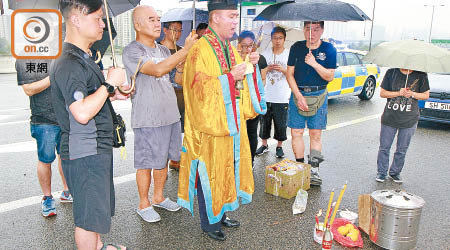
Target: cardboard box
{"points": [[364, 212], [286, 177]]}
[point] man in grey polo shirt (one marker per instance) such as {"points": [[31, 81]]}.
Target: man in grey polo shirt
{"points": [[155, 118]]}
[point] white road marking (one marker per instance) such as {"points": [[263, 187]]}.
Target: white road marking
{"points": [[272, 141], [27, 146], [14, 123], [4, 117], [12, 110], [13, 205]]}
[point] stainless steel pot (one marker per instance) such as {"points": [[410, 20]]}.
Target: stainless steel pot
{"points": [[395, 217]]}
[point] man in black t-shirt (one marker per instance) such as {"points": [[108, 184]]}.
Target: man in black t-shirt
{"points": [[32, 75], [402, 88], [79, 94]]}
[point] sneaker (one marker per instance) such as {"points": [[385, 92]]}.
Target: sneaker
{"points": [[65, 197], [279, 152], [261, 150], [315, 178], [48, 206], [396, 178], [380, 178]]}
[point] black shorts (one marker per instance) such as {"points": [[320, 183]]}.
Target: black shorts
{"points": [[276, 112], [90, 181]]}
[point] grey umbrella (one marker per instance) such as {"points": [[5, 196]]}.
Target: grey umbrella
{"points": [[312, 10], [185, 15], [115, 7]]}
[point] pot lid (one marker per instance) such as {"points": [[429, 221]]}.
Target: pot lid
{"points": [[398, 199]]}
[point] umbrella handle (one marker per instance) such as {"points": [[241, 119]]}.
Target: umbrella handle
{"points": [[108, 23], [193, 17], [133, 80], [98, 56]]}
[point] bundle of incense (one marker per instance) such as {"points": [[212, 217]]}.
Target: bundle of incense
{"points": [[329, 207], [338, 203]]}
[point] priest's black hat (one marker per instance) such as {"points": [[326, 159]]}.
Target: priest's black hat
{"points": [[222, 5]]}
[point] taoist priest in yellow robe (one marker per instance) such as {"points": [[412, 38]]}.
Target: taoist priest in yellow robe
{"points": [[215, 160]]}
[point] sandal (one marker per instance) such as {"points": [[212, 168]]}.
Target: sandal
{"points": [[118, 247]]}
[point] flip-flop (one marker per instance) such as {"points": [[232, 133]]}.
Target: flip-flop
{"points": [[118, 247], [168, 205]]}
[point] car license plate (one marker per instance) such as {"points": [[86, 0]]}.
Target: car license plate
{"points": [[437, 105]]}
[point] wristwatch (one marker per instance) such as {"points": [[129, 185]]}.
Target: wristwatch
{"points": [[110, 88]]}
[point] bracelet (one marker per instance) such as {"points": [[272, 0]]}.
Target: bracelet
{"points": [[180, 72]]}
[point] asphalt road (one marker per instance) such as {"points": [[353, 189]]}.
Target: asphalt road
{"points": [[350, 148]]}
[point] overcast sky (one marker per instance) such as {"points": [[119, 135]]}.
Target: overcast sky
{"points": [[402, 19]]}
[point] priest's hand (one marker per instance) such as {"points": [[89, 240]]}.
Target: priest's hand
{"points": [[238, 72], [254, 57]]}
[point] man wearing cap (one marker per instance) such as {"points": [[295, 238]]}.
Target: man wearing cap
{"points": [[215, 159], [311, 66]]}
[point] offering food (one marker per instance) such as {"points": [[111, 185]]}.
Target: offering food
{"points": [[349, 231]]}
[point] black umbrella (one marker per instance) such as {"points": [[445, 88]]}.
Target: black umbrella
{"points": [[115, 7], [312, 10], [99, 47]]}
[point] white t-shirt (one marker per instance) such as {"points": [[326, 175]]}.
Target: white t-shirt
{"points": [[277, 88]]}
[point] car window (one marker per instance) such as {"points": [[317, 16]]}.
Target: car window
{"points": [[340, 59], [352, 59]]}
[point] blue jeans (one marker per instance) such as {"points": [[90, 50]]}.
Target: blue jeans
{"points": [[48, 138], [317, 121], [387, 135]]}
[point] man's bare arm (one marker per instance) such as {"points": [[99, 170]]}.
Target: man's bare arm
{"points": [[159, 69], [37, 87]]}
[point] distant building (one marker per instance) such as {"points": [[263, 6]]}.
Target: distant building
{"points": [[250, 12], [5, 27], [124, 28]]}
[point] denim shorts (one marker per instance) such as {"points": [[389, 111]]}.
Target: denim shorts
{"points": [[47, 138], [317, 121]]}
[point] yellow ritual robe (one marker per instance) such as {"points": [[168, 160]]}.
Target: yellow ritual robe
{"points": [[216, 147]]}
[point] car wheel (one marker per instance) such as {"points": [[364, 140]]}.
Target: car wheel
{"points": [[368, 89]]}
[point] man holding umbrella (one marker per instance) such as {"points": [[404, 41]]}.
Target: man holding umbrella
{"points": [[215, 160], [80, 94], [311, 66]]}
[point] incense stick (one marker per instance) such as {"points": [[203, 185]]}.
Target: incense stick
{"points": [[338, 203], [329, 207]]}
